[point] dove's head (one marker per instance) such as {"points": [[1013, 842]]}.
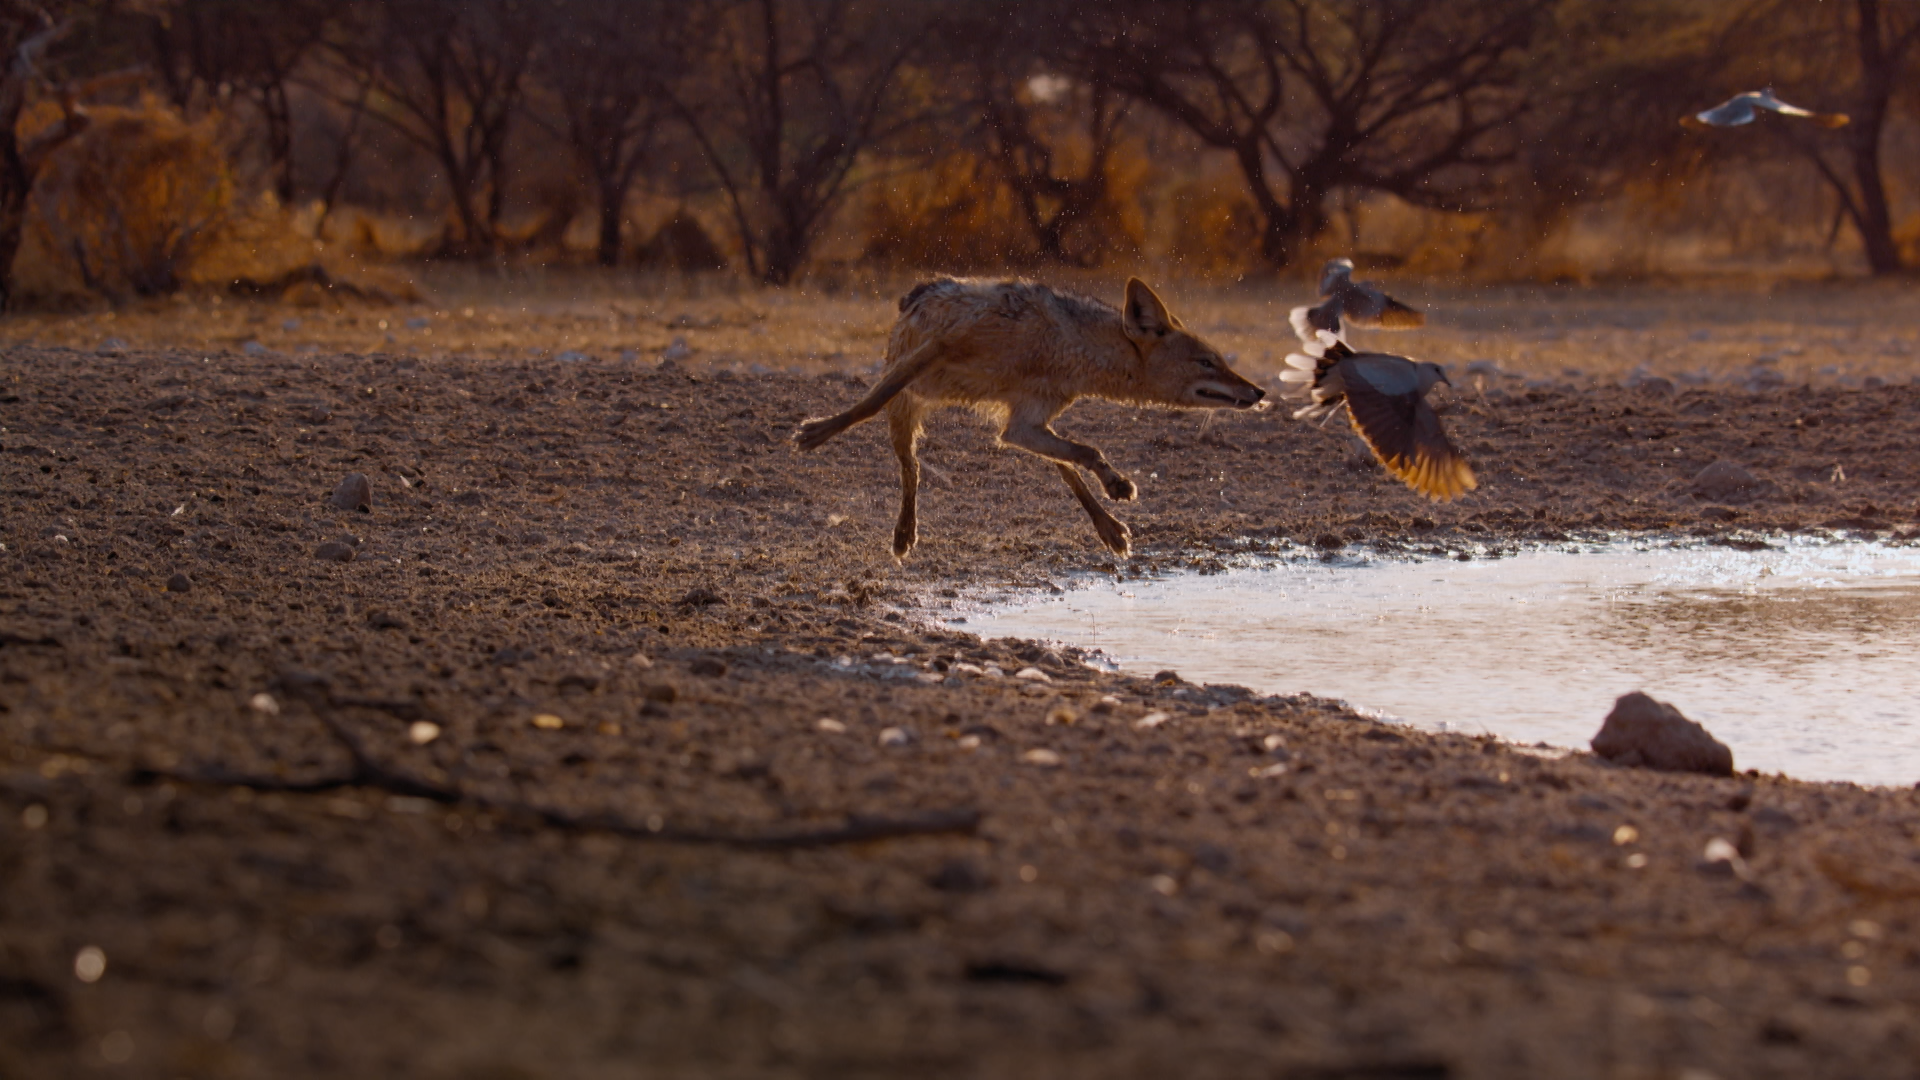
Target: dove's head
{"points": [[1431, 374]]}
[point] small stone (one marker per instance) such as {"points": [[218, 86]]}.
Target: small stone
{"points": [[1653, 385], [546, 721], [960, 876], [354, 493], [642, 661], [179, 583], [253, 348], [1165, 678], [334, 551], [1046, 759], [1153, 720], [1724, 481], [831, 726], [1062, 715], [895, 736], [664, 693], [423, 732], [1105, 705], [708, 666], [1652, 734], [1033, 674], [264, 704]]}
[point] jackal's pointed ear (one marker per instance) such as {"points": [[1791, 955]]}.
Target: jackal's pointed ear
{"points": [[1144, 317]]}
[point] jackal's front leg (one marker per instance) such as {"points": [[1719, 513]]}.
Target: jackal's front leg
{"points": [[1113, 532], [1043, 440]]}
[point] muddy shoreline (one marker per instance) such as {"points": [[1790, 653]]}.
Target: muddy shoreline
{"points": [[705, 793]]}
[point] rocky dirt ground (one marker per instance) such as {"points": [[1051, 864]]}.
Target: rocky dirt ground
{"points": [[610, 740]]}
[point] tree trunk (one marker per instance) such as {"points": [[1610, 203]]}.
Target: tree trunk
{"points": [[1877, 74], [16, 184], [613, 205]]}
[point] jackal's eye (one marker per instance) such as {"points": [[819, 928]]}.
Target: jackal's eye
{"points": [[1207, 362]]}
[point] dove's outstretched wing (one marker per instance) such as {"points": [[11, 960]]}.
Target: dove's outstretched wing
{"points": [[1387, 408]]}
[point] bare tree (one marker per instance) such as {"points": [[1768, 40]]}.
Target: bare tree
{"points": [[27, 31], [794, 91], [1311, 96], [611, 68], [450, 77], [213, 49]]}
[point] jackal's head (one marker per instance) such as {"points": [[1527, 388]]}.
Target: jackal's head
{"points": [[1176, 367]]}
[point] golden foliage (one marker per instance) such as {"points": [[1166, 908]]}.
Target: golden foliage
{"points": [[127, 208]]}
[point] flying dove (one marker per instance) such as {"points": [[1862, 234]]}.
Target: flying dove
{"points": [[1743, 108], [1386, 402], [1346, 301]]}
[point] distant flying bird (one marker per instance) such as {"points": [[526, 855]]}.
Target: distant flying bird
{"points": [[1344, 301], [1386, 402], [1742, 108]]}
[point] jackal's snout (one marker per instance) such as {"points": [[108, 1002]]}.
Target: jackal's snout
{"points": [[1226, 390]]}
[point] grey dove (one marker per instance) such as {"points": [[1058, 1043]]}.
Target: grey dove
{"points": [[1344, 301], [1385, 397], [1744, 108]]}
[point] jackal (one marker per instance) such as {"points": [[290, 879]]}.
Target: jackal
{"points": [[1019, 354]]}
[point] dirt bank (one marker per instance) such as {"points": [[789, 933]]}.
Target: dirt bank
{"points": [[542, 783]]}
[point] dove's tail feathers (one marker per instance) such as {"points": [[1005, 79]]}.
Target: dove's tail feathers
{"points": [[1312, 366], [1301, 318], [1309, 322], [1319, 410]]}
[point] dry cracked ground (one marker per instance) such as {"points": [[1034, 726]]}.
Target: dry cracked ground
{"points": [[609, 741]]}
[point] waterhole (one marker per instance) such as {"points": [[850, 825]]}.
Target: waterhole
{"points": [[1801, 657]]}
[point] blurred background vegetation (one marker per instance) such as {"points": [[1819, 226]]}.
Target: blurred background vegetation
{"points": [[273, 146]]}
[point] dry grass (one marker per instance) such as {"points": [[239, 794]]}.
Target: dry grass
{"points": [[1829, 333]]}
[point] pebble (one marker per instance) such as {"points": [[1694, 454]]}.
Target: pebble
{"points": [[895, 736], [548, 722], [253, 348], [1033, 674], [708, 666], [334, 551], [1153, 720], [354, 493], [179, 583], [425, 731], [1042, 757], [1106, 704], [264, 704], [1062, 715], [1653, 734], [831, 726]]}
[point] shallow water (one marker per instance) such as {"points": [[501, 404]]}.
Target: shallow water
{"points": [[1802, 658]]}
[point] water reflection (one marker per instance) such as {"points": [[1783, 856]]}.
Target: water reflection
{"points": [[1799, 658]]}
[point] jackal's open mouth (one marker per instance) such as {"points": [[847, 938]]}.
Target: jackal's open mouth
{"points": [[1228, 399]]}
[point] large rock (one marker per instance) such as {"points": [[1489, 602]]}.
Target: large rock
{"points": [[1652, 734], [1724, 481]]}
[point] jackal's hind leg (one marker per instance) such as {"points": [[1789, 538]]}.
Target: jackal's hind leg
{"points": [[1043, 440], [903, 425], [1113, 532], [908, 368]]}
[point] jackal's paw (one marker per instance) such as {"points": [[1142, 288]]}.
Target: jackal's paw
{"points": [[815, 432], [903, 541], [1119, 488], [1116, 536]]}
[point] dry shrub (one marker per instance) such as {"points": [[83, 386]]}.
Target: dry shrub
{"points": [[127, 208], [950, 215], [682, 244], [1210, 227]]}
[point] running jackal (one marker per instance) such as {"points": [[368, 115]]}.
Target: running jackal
{"points": [[1019, 354]]}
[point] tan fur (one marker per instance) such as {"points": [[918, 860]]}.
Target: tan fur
{"points": [[1020, 354]]}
